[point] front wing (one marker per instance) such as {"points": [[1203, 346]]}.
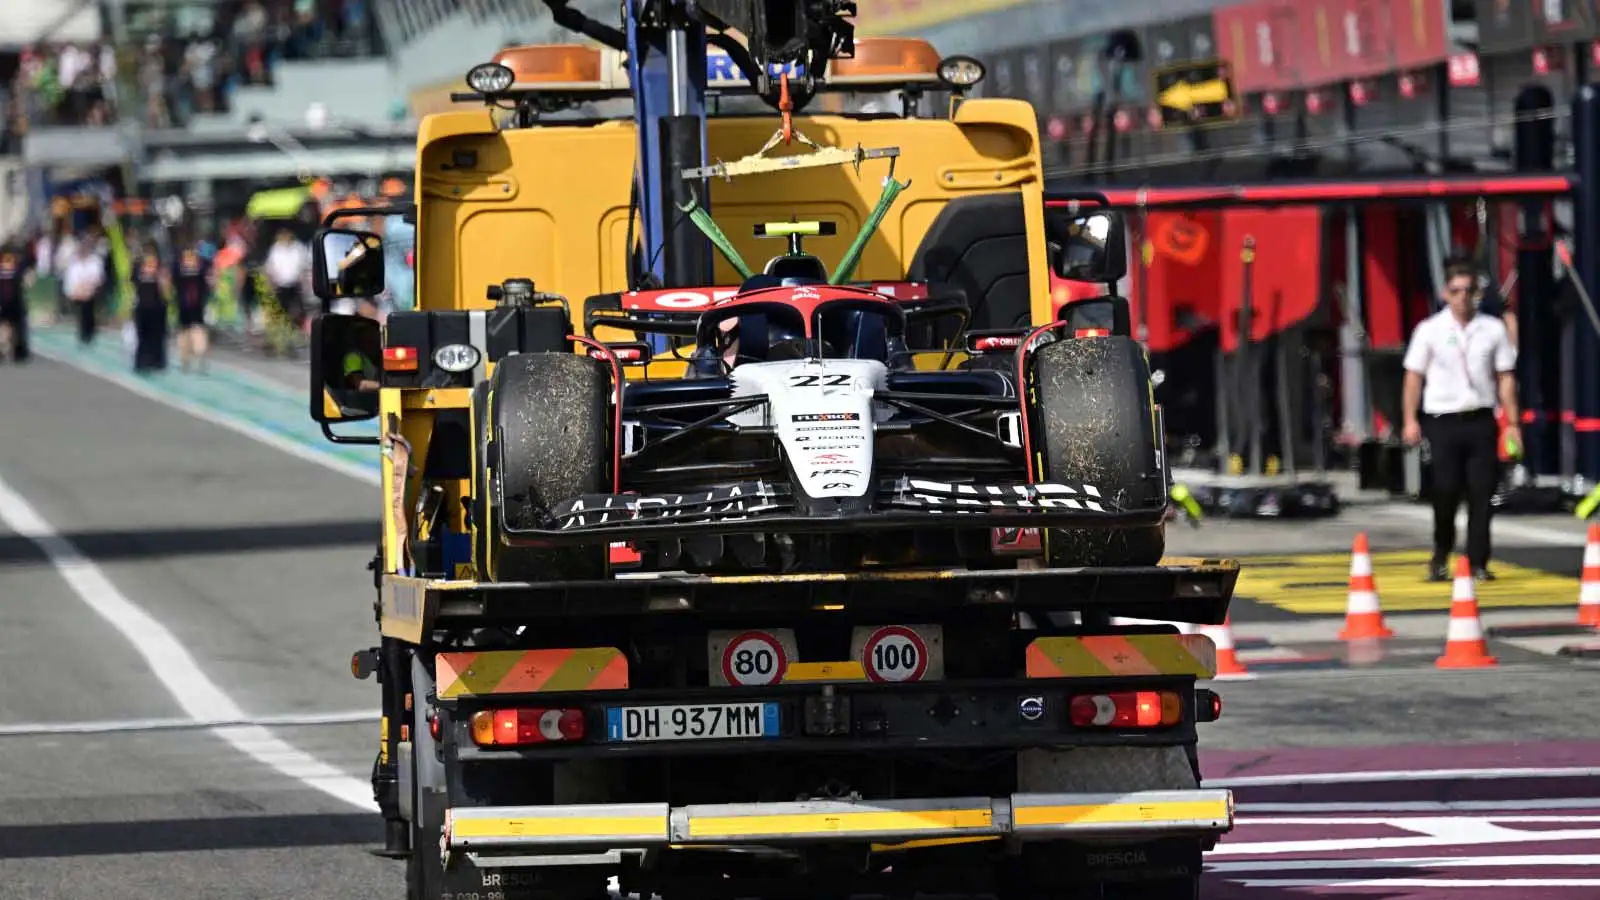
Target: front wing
{"points": [[757, 507]]}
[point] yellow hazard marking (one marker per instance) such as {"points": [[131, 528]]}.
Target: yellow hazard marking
{"points": [[1121, 813], [1130, 654], [840, 823], [560, 826], [848, 670], [1319, 584], [531, 671]]}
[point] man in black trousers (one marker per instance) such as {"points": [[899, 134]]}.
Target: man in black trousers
{"points": [[1459, 365]]}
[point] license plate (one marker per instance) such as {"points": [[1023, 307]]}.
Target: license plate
{"points": [[697, 722]]}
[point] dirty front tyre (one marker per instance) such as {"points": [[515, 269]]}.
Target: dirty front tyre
{"points": [[1094, 424], [548, 441]]}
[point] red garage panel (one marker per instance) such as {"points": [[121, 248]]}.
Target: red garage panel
{"points": [[1286, 277], [1380, 270], [1181, 287]]}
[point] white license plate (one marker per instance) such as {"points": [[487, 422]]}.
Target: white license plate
{"points": [[695, 722]]}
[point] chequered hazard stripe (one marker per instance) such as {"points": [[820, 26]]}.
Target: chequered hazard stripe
{"points": [[531, 671], [1099, 656]]}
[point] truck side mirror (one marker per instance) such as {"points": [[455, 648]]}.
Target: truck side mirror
{"points": [[346, 368], [346, 263], [1089, 246]]}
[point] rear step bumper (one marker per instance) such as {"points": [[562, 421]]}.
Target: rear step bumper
{"points": [[1028, 817]]}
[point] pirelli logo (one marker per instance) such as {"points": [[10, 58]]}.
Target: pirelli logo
{"points": [[1099, 656], [491, 672]]}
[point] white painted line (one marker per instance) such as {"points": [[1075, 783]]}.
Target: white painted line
{"points": [[1416, 862], [171, 662], [1418, 882], [1503, 527], [238, 426], [111, 726], [1423, 806], [1402, 775], [1400, 822], [1435, 833]]}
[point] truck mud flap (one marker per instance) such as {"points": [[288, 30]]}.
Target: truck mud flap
{"points": [[503, 831]]}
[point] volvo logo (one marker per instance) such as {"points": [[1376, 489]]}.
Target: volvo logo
{"points": [[1031, 708]]}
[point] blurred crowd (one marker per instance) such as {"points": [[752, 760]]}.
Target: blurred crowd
{"points": [[248, 283], [186, 62]]}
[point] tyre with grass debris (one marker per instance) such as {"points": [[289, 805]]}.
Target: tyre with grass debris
{"points": [[1093, 424], [542, 438]]}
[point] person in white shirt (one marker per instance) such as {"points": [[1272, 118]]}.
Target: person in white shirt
{"points": [[286, 267], [1459, 364], [81, 280]]}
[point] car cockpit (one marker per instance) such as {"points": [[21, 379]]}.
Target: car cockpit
{"points": [[845, 334]]}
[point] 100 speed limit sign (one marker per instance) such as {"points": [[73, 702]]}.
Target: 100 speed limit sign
{"points": [[894, 653], [754, 658]]}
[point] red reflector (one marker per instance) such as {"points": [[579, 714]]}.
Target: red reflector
{"points": [[513, 727], [400, 359], [1126, 709], [434, 729], [1014, 540], [623, 554], [1091, 332], [1004, 342]]}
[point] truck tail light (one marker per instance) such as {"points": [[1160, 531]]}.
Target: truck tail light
{"points": [[1127, 709], [520, 727], [399, 359]]}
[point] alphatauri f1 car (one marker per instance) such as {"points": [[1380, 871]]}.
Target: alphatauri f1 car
{"points": [[806, 434]]}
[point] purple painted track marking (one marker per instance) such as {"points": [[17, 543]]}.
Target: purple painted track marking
{"points": [[1302, 760], [1493, 835]]}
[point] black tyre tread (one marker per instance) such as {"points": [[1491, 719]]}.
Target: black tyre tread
{"points": [[1093, 401], [548, 413]]}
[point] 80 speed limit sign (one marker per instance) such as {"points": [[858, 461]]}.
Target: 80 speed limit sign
{"points": [[754, 658], [894, 653]]}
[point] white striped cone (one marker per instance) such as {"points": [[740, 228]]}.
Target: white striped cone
{"points": [[1363, 616], [1228, 665], [1464, 646], [1589, 589]]}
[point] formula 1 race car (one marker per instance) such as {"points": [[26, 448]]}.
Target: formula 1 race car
{"points": [[805, 435]]}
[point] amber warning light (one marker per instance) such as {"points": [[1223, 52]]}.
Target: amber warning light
{"points": [[575, 67]]}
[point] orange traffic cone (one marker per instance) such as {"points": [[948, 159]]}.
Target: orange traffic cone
{"points": [[1589, 589], [1464, 646], [1228, 664], [1363, 617]]}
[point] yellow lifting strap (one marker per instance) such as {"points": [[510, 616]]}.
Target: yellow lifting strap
{"points": [[759, 163]]}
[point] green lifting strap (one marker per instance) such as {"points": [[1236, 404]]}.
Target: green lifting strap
{"points": [[852, 256], [703, 221]]}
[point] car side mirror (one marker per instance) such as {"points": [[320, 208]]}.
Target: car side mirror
{"points": [[1087, 246], [346, 368], [346, 263]]}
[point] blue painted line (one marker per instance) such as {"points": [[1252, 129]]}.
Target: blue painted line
{"points": [[224, 393]]}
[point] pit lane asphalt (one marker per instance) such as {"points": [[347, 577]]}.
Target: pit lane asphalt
{"points": [[255, 558]]}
